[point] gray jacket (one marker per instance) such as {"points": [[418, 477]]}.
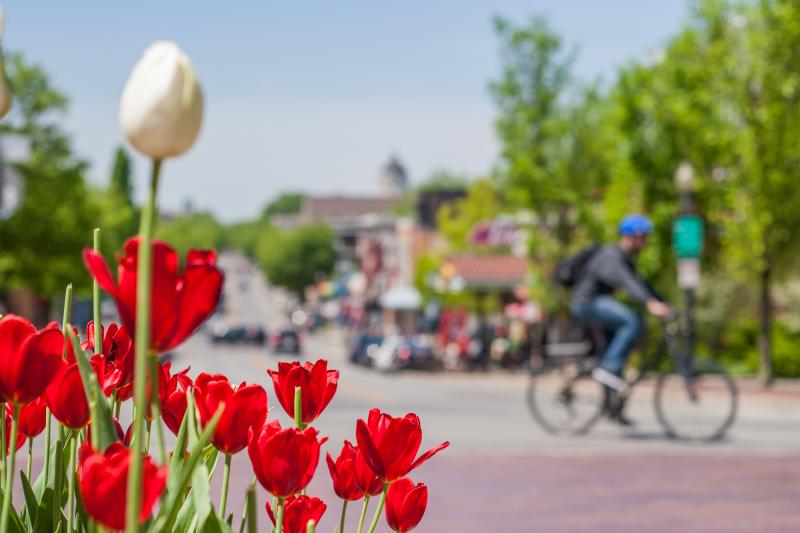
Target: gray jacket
{"points": [[608, 270]]}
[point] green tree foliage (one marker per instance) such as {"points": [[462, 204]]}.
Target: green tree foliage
{"points": [[40, 242], [297, 258], [553, 145], [121, 183], [456, 220], [194, 230], [287, 203]]}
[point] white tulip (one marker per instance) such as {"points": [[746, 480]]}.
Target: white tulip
{"points": [[161, 110]]}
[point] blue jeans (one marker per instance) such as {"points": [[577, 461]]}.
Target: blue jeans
{"points": [[623, 323]]}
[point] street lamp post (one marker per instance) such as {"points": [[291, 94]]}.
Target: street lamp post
{"points": [[688, 242]]}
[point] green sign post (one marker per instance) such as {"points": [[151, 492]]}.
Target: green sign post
{"points": [[687, 236]]}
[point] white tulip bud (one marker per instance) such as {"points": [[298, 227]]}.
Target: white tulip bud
{"points": [[161, 110]]}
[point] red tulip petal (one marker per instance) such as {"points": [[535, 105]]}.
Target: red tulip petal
{"points": [[198, 296], [98, 268], [427, 455], [368, 449]]}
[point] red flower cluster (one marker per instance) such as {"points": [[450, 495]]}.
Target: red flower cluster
{"points": [[284, 460], [103, 484], [245, 409], [29, 359], [317, 385], [298, 511], [114, 363], [183, 301]]}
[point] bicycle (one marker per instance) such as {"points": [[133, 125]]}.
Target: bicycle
{"points": [[564, 399]]}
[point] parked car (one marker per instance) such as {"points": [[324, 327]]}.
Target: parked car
{"points": [[398, 352], [286, 341], [362, 345], [241, 334]]}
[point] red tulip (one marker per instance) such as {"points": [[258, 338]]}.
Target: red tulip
{"points": [[297, 511], [173, 402], [245, 408], [284, 460], [343, 473], [9, 411], [317, 383], [180, 303], [405, 504], [66, 398], [117, 353], [390, 444], [103, 484], [29, 359], [32, 417], [366, 479]]}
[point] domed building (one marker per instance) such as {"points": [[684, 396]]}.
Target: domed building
{"points": [[393, 180]]}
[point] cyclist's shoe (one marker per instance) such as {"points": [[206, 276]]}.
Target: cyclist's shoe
{"points": [[621, 419], [610, 380]]}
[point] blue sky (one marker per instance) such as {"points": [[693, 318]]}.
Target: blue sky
{"points": [[314, 96]]}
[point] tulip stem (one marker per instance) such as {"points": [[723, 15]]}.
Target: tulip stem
{"points": [[344, 513], [279, 516], [377, 515], [156, 408], [363, 513], [298, 408], [30, 459], [144, 285], [48, 418], [9, 472], [57, 477], [247, 513], [226, 476], [98, 324], [3, 439], [71, 489]]}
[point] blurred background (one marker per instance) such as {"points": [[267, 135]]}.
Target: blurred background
{"points": [[390, 187]]}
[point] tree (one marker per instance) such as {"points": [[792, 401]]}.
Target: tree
{"points": [[552, 146], [456, 220], [193, 230], [296, 259], [121, 183], [287, 203], [41, 241]]}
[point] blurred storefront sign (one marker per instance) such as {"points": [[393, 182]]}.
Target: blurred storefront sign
{"points": [[496, 233]]}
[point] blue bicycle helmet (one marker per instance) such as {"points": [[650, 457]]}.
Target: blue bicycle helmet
{"points": [[635, 224]]}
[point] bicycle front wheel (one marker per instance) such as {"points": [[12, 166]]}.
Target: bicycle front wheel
{"points": [[697, 405], [565, 400]]}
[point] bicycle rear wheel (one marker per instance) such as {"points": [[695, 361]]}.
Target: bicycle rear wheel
{"points": [[565, 400], [700, 406]]}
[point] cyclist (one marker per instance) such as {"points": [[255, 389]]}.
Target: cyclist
{"points": [[609, 269]]}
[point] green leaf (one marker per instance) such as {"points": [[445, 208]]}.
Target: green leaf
{"points": [[172, 506], [201, 493], [31, 503], [44, 514], [103, 433]]}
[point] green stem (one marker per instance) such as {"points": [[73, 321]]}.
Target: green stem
{"points": [[279, 517], [147, 442], [117, 406], [71, 489], [98, 325], [250, 500], [57, 478], [156, 410], [377, 515], [226, 476], [30, 459], [48, 419], [344, 513], [8, 488], [363, 514], [144, 282], [3, 439], [298, 408]]}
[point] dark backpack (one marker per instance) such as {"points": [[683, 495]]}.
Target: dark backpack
{"points": [[570, 270]]}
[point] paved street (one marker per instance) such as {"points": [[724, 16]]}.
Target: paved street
{"points": [[502, 473]]}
